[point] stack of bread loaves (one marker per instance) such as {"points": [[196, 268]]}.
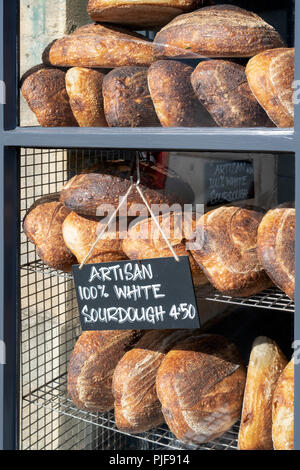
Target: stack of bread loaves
{"points": [[104, 75]]}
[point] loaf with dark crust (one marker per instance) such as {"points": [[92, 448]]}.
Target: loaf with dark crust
{"points": [[127, 99], [276, 247], [227, 253], [98, 45], [137, 408], [200, 385], [43, 227], [222, 88], [88, 193], [174, 99], [45, 92], [92, 365], [271, 77], [84, 87], [139, 13], [283, 410], [266, 363], [216, 31]]}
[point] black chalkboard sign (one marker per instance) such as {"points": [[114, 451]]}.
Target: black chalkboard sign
{"points": [[148, 294], [228, 181]]}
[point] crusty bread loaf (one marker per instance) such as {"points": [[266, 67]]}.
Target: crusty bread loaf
{"points": [[81, 232], [200, 385], [216, 31], [88, 192], [92, 365], [173, 96], [283, 410], [144, 240], [271, 79], [97, 45], [227, 253], [127, 99], [222, 88], [84, 87], [139, 13], [137, 408], [266, 363], [276, 247], [45, 92], [43, 227]]}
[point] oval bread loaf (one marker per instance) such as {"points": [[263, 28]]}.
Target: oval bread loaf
{"points": [[283, 410]]}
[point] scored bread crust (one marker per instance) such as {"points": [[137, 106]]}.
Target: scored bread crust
{"points": [[283, 410], [270, 77], [265, 366]]}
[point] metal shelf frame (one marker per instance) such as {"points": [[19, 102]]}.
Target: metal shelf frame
{"points": [[12, 137]]}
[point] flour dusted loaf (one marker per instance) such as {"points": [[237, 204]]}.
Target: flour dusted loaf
{"points": [[45, 92], [266, 364], [271, 79], [222, 88], [127, 98], [200, 385], [227, 253], [88, 193], [144, 240], [174, 99], [283, 410], [43, 227], [139, 13], [84, 87], [92, 364], [137, 408], [216, 31], [97, 45], [276, 247]]}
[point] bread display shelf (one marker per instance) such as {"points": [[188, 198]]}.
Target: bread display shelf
{"points": [[53, 396], [270, 299]]}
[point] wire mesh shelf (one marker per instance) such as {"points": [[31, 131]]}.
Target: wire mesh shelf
{"points": [[54, 396]]}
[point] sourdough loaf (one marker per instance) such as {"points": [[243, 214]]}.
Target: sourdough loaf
{"points": [[127, 99], [271, 79], [200, 385], [226, 250], [222, 88], [283, 410], [265, 366], [216, 31], [276, 247], [92, 364], [173, 96]]}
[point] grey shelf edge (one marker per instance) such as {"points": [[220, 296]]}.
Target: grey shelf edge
{"points": [[254, 139]]}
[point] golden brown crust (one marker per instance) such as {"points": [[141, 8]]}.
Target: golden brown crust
{"points": [[92, 364], [222, 88], [173, 96], [84, 87], [86, 193], [265, 366], [271, 77], [200, 385], [45, 92], [97, 45], [127, 98], [276, 247], [227, 252], [216, 31], [137, 408], [283, 410], [137, 13], [43, 227]]}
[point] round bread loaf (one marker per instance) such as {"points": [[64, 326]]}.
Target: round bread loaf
{"points": [[200, 385], [276, 247], [283, 410], [227, 253], [216, 31], [92, 365]]}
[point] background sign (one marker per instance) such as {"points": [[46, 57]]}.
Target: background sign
{"points": [[127, 295]]}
